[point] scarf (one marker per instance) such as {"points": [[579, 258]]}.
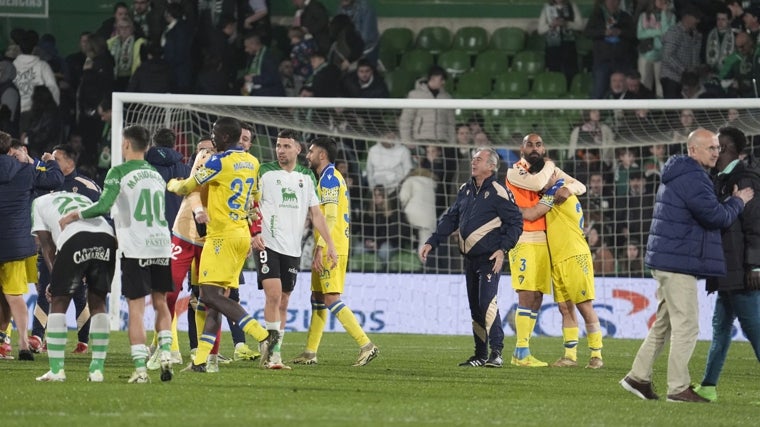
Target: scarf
{"points": [[557, 35], [720, 44], [255, 66], [122, 55]]}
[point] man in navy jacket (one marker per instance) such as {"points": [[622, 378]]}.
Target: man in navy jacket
{"points": [[684, 245]]}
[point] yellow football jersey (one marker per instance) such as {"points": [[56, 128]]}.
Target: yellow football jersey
{"points": [[564, 230], [231, 178], [334, 204]]}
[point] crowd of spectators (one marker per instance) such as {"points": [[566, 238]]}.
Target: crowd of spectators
{"points": [[643, 49]]}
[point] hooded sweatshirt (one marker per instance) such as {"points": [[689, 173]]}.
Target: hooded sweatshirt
{"points": [[31, 71]]}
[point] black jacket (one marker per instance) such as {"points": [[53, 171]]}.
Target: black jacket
{"points": [[741, 240], [169, 164]]}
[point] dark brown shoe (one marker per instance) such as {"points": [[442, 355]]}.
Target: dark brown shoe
{"points": [[688, 395], [640, 390]]}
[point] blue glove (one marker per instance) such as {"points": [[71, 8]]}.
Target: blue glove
{"points": [[553, 189]]}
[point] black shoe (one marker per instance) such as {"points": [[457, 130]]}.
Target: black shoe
{"points": [[494, 360], [688, 395], [473, 361], [25, 355]]}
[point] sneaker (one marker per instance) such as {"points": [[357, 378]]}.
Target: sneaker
{"points": [[50, 377], [35, 344], [212, 364], [192, 353], [224, 360], [595, 363], [688, 395], [495, 360], [176, 358], [95, 376], [139, 377], [6, 351], [266, 346], [306, 358], [166, 365], [154, 362], [528, 362], [366, 354], [708, 392], [192, 367], [243, 352], [275, 362], [641, 390], [473, 361], [564, 362], [81, 348], [25, 355]]}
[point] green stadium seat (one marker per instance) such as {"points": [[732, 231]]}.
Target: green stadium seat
{"points": [[434, 39], [405, 261], [400, 82], [492, 62], [367, 262], [536, 42], [417, 62], [580, 87], [509, 40], [529, 62], [455, 62], [471, 39], [397, 40], [549, 85], [511, 85], [388, 58], [473, 85]]}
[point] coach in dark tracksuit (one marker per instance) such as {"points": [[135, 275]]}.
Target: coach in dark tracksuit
{"points": [[489, 225]]}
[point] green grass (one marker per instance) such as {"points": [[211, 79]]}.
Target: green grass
{"points": [[414, 382]]}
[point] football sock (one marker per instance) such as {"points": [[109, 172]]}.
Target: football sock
{"points": [[56, 340], [165, 340], [200, 320], [205, 343], [594, 335], [250, 326], [98, 340], [278, 346], [139, 354], [524, 328], [317, 326], [349, 322], [274, 326], [217, 341], [570, 336]]}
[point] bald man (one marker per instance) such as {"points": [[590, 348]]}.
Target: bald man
{"points": [[684, 244], [740, 73]]}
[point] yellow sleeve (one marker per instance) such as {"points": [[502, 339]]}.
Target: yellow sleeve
{"points": [[331, 217]]}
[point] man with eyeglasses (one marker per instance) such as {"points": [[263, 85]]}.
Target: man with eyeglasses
{"points": [[684, 245]]}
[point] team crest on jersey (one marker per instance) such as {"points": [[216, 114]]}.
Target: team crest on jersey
{"points": [[217, 245], [75, 189], [203, 174], [486, 194], [488, 277], [264, 269], [300, 183], [468, 192]]}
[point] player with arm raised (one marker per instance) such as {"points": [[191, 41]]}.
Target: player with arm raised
{"points": [[134, 195], [231, 179], [327, 284]]}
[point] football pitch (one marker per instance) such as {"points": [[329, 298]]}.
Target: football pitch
{"points": [[415, 381]]}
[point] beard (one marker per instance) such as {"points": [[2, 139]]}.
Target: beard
{"points": [[536, 162]]}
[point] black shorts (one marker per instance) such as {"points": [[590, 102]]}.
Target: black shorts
{"points": [[274, 265], [142, 276], [88, 255]]}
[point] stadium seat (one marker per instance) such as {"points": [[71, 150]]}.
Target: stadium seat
{"points": [[509, 40], [368, 263], [400, 82], [529, 62], [397, 40], [417, 62], [388, 58], [549, 85], [580, 87], [434, 39], [492, 62], [473, 85], [536, 42], [455, 62], [405, 261], [511, 85], [471, 39]]}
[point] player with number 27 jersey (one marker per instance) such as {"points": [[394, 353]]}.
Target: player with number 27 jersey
{"points": [[134, 195]]}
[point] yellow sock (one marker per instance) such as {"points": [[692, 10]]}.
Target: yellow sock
{"points": [[205, 344], [524, 327], [200, 321], [250, 326], [594, 335], [570, 336], [8, 330], [349, 322], [317, 326], [175, 339]]}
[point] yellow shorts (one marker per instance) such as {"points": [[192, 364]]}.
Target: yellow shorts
{"points": [[32, 275], [331, 280], [574, 279], [13, 277], [222, 259], [530, 267]]}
